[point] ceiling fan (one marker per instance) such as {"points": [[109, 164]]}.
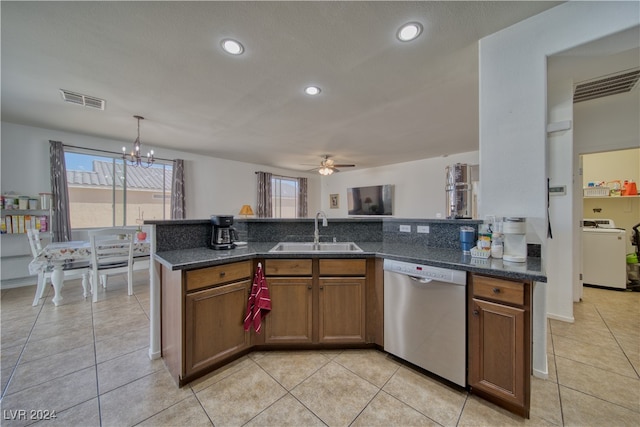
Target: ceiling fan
{"points": [[328, 166]]}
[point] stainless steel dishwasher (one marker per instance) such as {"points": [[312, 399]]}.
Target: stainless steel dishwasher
{"points": [[425, 317]]}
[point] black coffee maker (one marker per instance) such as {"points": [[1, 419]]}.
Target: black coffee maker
{"points": [[222, 234]]}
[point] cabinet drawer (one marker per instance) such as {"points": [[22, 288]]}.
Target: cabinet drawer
{"points": [[498, 289], [288, 267], [343, 267], [198, 279]]}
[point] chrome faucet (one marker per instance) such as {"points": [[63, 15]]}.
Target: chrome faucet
{"points": [[316, 234]]}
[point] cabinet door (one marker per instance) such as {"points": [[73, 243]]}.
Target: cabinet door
{"points": [[341, 310], [214, 324], [290, 319], [496, 351]]}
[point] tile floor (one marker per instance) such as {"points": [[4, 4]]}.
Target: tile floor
{"points": [[88, 363]]}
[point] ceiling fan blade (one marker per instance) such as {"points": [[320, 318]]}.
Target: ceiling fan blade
{"points": [[345, 166]]}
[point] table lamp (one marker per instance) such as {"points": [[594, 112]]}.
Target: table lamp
{"points": [[246, 210]]}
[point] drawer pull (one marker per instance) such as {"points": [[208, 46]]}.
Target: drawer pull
{"points": [[222, 274], [496, 290]]}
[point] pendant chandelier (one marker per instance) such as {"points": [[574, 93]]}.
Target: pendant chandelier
{"points": [[134, 158]]}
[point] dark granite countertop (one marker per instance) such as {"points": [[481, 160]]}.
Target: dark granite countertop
{"points": [[189, 259]]}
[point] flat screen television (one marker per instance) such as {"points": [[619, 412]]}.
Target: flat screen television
{"points": [[373, 200]]}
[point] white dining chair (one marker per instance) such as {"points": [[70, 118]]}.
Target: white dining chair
{"points": [[111, 253], [71, 270]]}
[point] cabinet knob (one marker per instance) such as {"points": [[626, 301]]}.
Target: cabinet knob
{"points": [[476, 313], [496, 290], [222, 274], [321, 287], [309, 287]]}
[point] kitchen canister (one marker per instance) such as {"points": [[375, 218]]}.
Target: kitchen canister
{"points": [[45, 200], [467, 238]]}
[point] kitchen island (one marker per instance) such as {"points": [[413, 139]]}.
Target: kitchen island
{"points": [[174, 266]]}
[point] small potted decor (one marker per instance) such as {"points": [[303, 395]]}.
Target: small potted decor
{"points": [[140, 235]]}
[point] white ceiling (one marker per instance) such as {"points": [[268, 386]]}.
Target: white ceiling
{"points": [[382, 101]]}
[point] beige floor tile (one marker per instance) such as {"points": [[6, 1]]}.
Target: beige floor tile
{"points": [[9, 355], [5, 376], [15, 334], [335, 394], [239, 397], [141, 399], [55, 395], [545, 401], [187, 412], [585, 332], [41, 371], [580, 409], [291, 368], [127, 342], [372, 365], [432, 398], [125, 369], [479, 412], [65, 341], [118, 325], [222, 373], [385, 410], [86, 414], [608, 386], [286, 412], [45, 329], [608, 357]]}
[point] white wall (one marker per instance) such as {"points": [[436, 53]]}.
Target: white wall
{"points": [[513, 115], [419, 190], [213, 186]]}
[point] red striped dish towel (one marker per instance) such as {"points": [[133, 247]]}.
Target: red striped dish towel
{"points": [[259, 303]]}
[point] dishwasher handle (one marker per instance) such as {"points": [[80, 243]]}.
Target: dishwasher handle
{"points": [[420, 279]]}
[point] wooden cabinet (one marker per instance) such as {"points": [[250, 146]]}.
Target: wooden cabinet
{"points": [[500, 342], [203, 318], [341, 301], [291, 318], [316, 301], [214, 324]]}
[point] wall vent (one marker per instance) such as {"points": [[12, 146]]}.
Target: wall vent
{"points": [[611, 84], [85, 100]]}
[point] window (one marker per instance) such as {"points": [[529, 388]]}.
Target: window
{"points": [[284, 197], [101, 195]]}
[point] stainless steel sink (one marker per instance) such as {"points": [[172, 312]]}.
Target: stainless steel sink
{"points": [[315, 247]]}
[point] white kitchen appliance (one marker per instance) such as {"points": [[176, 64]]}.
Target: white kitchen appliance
{"points": [[425, 317], [604, 254], [514, 230]]}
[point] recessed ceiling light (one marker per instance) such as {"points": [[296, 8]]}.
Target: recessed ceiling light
{"points": [[232, 46], [409, 31], [312, 90]]}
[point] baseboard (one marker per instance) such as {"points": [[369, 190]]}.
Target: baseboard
{"points": [[561, 318], [18, 283]]}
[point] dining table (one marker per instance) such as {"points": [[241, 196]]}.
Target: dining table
{"points": [[58, 254]]}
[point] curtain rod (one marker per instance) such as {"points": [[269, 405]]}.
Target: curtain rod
{"points": [[282, 176], [109, 152]]}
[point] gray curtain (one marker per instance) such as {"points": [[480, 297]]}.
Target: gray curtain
{"points": [[60, 221], [264, 207], [177, 190], [302, 197]]}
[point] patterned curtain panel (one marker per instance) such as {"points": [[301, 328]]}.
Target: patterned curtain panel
{"points": [[302, 197], [177, 190], [60, 221], [264, 208]]}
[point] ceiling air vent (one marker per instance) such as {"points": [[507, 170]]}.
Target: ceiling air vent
{"points": [[611, 84], [86, 100]]}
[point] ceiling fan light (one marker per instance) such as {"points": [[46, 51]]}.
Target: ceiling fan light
{"points": [[409, 31], [312, 90], [231, 46], [325, 171]]}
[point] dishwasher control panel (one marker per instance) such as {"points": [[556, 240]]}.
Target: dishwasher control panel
{"points": [[426, 271]]}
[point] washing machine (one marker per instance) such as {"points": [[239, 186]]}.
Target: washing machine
{"points": [[604, 254]]}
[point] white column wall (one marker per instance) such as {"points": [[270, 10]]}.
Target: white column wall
{"points": [[513, 118]]}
